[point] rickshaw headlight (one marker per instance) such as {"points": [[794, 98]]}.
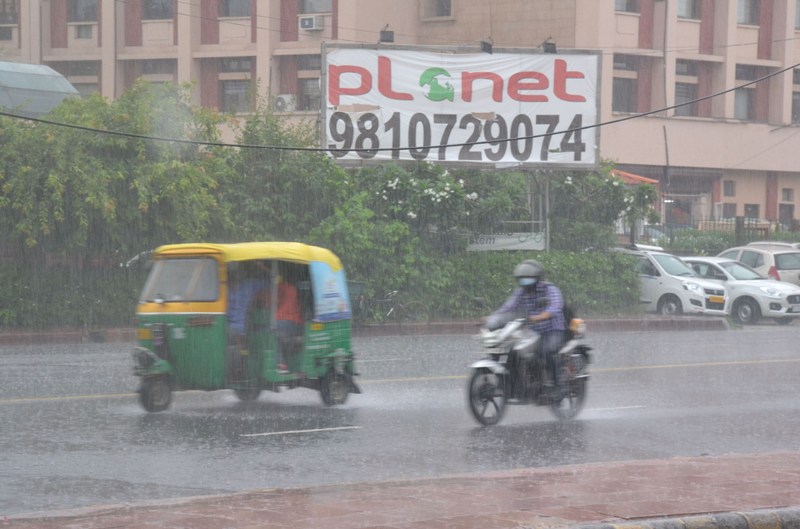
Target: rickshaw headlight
{"points": [[143, 358]]}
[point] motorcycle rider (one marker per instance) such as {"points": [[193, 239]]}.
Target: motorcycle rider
{"points": [[543, 305]]}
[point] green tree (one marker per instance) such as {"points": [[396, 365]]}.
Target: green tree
{"points": [[587, 205], [78, 194], [284, 192]]}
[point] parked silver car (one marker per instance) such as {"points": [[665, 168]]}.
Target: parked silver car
{"points": [[751, 295]]}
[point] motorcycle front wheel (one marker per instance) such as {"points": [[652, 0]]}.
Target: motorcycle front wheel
{"points": [[487, 396]]}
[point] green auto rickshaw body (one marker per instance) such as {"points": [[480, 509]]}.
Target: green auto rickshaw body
{"points": [[183, 334]]}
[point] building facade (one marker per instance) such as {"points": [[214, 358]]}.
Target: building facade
{"points": [[732, 152]]}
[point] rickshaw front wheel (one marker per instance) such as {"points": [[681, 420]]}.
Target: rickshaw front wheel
{"points": [[334, 388], [246, 395], [155, 394]]}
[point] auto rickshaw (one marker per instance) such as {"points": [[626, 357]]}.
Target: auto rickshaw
{"points": [[187, 337]]}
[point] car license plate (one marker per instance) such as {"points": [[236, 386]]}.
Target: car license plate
{"points": [[794, 308], [716, 299]]}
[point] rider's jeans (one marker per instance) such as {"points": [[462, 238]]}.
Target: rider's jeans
{"points": [[551, 343]]}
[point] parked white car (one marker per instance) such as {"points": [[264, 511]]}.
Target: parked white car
{"points": [[670, 286], [776, 261], [752, 296]]}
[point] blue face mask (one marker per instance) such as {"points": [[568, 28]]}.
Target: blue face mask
{"points": [[527, 281]]}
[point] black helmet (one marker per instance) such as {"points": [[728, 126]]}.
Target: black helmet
{"points": [[529, 268]]}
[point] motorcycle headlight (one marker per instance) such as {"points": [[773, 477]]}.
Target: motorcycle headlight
{"points": [[577, 325]]}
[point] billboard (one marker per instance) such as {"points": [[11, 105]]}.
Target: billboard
{"points": [[505, 109]]}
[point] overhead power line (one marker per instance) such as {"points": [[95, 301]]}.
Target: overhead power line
{"points": [[388, 149]]}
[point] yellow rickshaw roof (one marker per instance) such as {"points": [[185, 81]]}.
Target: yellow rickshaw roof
{"points": [[286, 251]]}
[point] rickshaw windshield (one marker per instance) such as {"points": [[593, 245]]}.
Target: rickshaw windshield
{"points": [[191, 279]]}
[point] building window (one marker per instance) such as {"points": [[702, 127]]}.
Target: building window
{"points": [[684, 67], [786, 215], [82, 11], [796, 14], [316, 6], [86, 89], [309, 94], [628, 63], [748, 12], [795, 108], [624, 89], [158, 67], [689, 9], [6, 33], [796, 96], [236, 64], [686, 87], [787, 194], [684, 93], [437, 8], [728, 210], [624, 95], [9, 14], [234, 8], [729, 188], [309, 62], [235, 96], [752, 211], [76, 68], [83, 31], [745, 99], [626, 6], [156, 9]]}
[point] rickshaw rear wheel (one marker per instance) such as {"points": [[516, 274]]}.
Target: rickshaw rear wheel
{"points": [[334, 388], [247, 395], [155, 394]]}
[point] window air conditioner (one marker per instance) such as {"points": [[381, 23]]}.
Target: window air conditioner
{"points": [[284, 103], [312, 23]]}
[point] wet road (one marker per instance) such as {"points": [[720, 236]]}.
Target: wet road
{"points": [[74, 435]]}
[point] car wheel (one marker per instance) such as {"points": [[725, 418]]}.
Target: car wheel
{"points": [[670, 305], [746, 312]]}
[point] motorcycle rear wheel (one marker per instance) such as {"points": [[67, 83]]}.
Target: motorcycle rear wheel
{"points": [[570, 405], [486, 396]]}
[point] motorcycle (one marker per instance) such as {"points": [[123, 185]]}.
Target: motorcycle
{"points": [[511, 373]]}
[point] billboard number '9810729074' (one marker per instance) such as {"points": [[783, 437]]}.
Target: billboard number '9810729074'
{"points": [[502, 108]]}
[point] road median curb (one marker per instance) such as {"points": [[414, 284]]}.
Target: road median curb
{"points": [[788, 518], [687, 323], [76, 336]]}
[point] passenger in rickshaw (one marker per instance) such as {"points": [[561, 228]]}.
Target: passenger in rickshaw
{"points": [[289, 328], [288, 321], [245, 281]]}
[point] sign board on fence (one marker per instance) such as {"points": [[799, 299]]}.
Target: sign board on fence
{"points": [[506, 241], [502, 109]]}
